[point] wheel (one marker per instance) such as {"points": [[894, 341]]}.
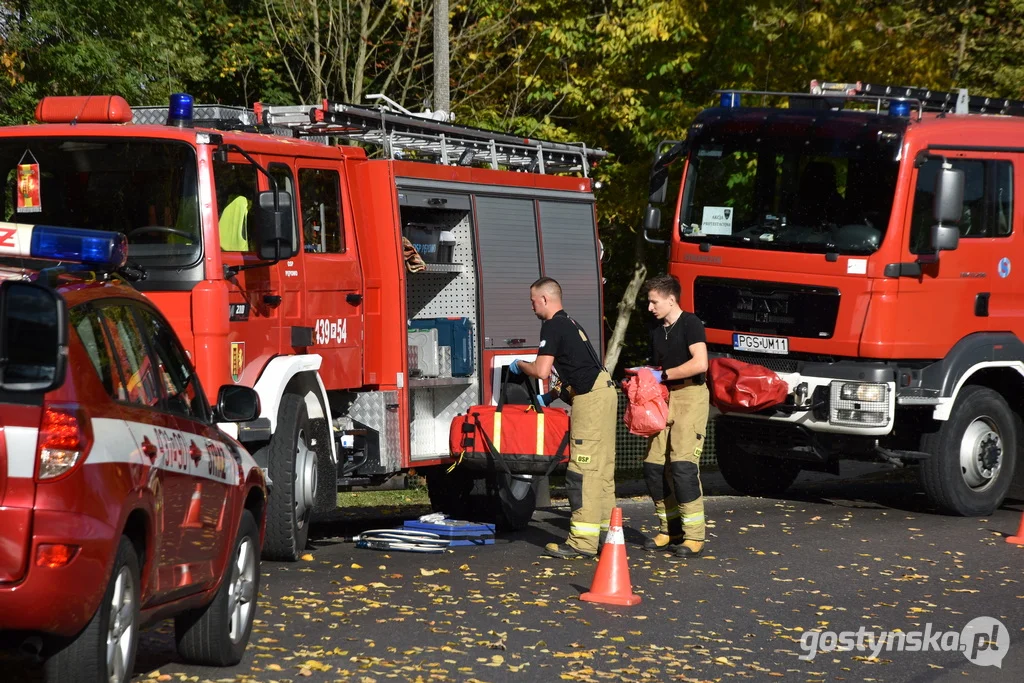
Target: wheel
{"points": [[105, 649], [973, 454], [218, 634], [293, 471], [517, 500], [449, 491], [749, 474]]}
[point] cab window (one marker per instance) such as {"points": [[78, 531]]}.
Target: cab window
{"points": [[320, 196], [89, 328], [988, 200], [237, 192], [180, 382], [140, 383]]}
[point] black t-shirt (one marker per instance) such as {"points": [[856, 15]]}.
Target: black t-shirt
{"points": [[575, 364], [670, 346]]}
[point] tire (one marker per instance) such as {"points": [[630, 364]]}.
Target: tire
{"points": [[449, 492], [973, 454], [218, 634], [749, 474], [294, 473], [516, 500], [85, 658]]}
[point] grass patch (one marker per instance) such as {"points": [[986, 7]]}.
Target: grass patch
{"points": [[396, 498]]}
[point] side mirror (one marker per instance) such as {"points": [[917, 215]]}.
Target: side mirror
{"points": [[652, 223], [949, 207], [33, 337], [659, 185], [236, 403], [949, 196], [944, 238], [668, 151], [276, 234]]}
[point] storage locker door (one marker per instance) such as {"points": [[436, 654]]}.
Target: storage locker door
{"points": [[571, 257], [509, 264]]}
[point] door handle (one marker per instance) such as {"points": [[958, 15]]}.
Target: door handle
{"points": [[354, 298], [148, 448]]}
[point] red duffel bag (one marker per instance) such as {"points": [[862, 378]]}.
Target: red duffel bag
{"points": [[740, 387], [511, 438]]}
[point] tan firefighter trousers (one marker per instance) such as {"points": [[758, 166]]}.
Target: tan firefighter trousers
{"points": [[672, 466], [590, 480]]}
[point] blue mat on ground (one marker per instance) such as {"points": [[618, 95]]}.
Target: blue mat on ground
{"points": [[457, 531]]}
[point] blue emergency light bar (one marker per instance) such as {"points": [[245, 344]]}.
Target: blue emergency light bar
{"points": [[899, 108], [89, 247], [730, 99], [180, 111]]}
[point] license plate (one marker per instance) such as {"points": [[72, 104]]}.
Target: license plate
{"points": [[758, 344]]}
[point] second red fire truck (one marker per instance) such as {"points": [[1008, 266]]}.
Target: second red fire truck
{"points": [[864, 242]]}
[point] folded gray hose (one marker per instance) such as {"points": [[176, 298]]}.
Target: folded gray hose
{"points": [[400, 539]]}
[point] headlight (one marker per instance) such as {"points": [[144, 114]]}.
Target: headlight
{"points": [[869, 393], [859, 404]]}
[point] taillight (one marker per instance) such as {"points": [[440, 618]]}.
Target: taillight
{"points": [[65, 437]]}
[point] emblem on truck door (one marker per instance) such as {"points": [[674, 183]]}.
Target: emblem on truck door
{"points": [[237, 360]]}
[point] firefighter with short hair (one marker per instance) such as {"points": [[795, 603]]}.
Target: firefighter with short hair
{"points": [[672, 466], [590, 480]]}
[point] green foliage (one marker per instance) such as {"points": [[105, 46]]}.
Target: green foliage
{"points": [[618, 74]]}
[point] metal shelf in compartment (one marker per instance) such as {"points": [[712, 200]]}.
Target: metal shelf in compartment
{"points": [[432, 382], [441, 268]]}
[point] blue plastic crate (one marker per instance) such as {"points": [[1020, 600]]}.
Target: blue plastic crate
{"points": [[458, 532]]}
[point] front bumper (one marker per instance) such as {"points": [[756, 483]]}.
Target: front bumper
{"points": [[843, 397], [60, 601]]}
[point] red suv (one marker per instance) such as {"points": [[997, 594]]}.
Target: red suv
{"points": [[121, 502]]}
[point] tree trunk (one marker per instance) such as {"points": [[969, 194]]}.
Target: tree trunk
{"points": [[441, 66], [627, 304]]}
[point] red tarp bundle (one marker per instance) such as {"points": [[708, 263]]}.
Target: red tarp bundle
{"points": [[740, 387], [647, 412]]}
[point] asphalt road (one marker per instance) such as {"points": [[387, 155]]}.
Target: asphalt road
{"points": [[841, 555]]}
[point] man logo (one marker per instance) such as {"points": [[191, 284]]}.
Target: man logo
{"points": [[237, 360]]}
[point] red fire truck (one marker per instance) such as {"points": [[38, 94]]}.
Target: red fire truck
{"points": [[281, 261], [865, 243]]}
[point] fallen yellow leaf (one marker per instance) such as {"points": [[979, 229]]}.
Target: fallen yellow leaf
{"points": [[307, 557], [356, 566], [273, 667]]}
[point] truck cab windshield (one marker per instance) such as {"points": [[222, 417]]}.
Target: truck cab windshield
{"points": [[793, 181], [145, 189]]}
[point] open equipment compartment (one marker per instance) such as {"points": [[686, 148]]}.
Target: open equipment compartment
{"points": [[444, 289]]}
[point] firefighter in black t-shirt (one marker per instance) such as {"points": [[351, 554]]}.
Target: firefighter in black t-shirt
{"points": [[671, 468], [590, 480]]}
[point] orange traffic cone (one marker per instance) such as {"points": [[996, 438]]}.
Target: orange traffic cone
{"points": [[611, 580], [192, 519], [1018, 538], [220, 520]]}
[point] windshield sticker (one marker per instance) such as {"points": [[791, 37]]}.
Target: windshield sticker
{"points": [[28, 185], [716, 220], [857, 266]]}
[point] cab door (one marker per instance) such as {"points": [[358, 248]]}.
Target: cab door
{"points": [[210, 471], [254, 294], [136, 387], [969, 289], [332, 278]]}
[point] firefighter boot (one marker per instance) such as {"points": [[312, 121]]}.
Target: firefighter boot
{"points": [[665, 506]]}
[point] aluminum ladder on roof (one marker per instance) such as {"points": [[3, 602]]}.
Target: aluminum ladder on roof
{"points": [[954, 101], [404, 135]]}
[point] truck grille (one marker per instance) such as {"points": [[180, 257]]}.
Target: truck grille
{"points": [[790, 363], [773, 308]]}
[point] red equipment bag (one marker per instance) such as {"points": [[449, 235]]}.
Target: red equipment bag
{"points": [[647, 412], [740, 387], [512, 438]]}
